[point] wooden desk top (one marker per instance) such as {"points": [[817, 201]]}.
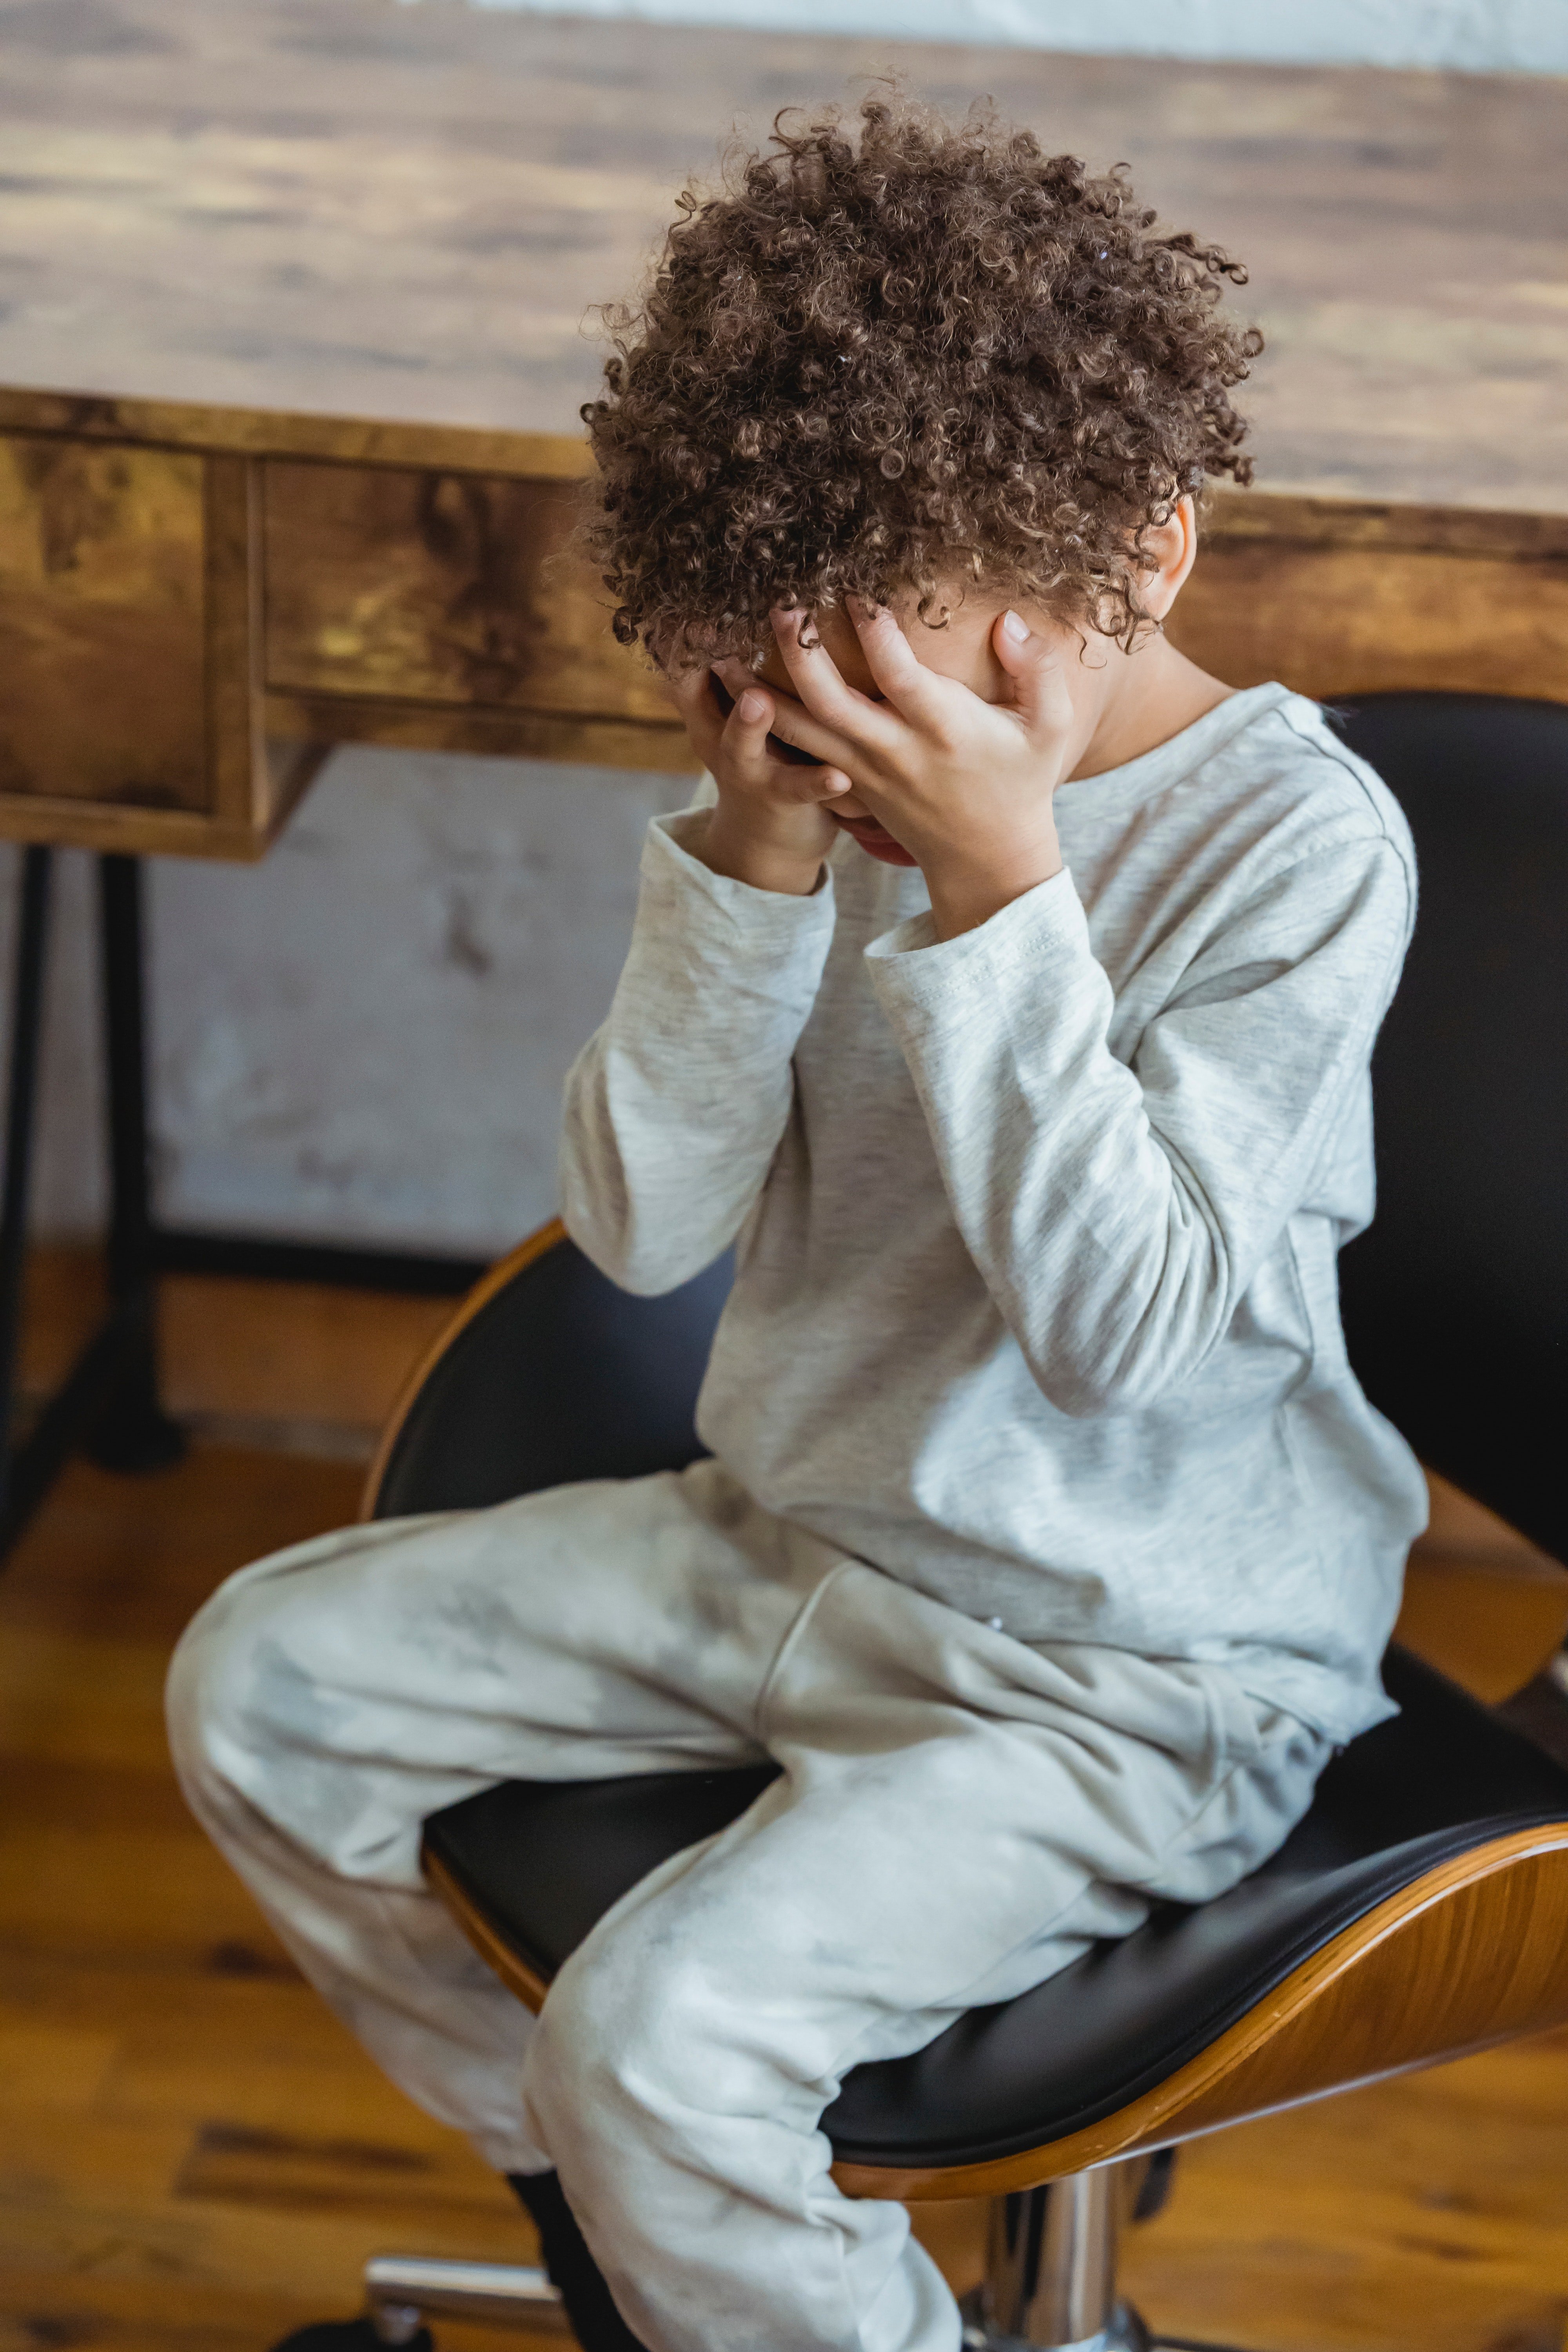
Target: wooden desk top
{"points": [[385, 211]]}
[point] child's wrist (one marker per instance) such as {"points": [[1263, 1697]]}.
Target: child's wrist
{"points": [[963, 895], [757, 856]]}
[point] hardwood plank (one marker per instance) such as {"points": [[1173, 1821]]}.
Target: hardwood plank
{"points": [[493, 732], [289, 2170], [196, 2152], [298, 1366], [85, 2178], [89, 2308], [137, 1562], [1481, 1603], [267, 432], [43, 2064], [71, 1700], [1370, 525], [88, 1891], [1418, 2217], [133, 830], [1412, 308], [1335, 622], [240, 778]]}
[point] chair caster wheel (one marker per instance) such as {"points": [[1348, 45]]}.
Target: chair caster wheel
{"points": [[351, 2335]]}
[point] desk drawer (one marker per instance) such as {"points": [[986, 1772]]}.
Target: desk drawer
{"points": [[460, 591], [130, 709], [103, 557]]}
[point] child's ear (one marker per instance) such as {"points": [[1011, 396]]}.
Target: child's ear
{"points": [[1173, 544]]}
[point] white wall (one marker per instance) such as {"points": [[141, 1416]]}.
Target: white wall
{"points": [[363, 1038], [1471, 36]]}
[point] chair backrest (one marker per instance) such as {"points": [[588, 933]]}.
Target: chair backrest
{"points": [[556, 1376], [1454, 1299]]}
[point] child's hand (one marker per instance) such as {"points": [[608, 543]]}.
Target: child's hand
{"points": [[770, 827], [965, 785]]}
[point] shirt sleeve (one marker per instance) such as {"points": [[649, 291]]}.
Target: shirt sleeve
{"points": [[1117, 1211], [675, 1105]]}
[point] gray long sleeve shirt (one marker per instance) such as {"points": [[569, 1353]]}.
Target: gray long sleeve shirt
{"points": [[1037, 1307]]}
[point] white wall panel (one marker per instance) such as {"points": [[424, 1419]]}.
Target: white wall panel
{"points": [[363, 1038]]}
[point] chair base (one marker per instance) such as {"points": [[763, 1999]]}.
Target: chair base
{"points": [[1050, 2283], [402, 2291], [1125, 2332]]}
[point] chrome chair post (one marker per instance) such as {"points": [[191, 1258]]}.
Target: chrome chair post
{"points": [[1050, 2281]]}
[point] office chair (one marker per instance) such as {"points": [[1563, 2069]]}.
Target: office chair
{"points": [[1420, 1910]]}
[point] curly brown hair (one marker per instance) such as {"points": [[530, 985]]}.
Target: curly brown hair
{"points": [[876, 366]]}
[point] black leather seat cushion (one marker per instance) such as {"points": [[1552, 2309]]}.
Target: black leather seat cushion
{"points": [[545, 1862]]}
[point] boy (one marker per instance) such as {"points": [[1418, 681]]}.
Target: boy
{"points": [[1008, 998]]}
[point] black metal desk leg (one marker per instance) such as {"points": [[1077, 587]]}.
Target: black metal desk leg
{"points": [[132, 1431], [26, 1022]]}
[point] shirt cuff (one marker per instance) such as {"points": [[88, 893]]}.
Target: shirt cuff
{"points": [[671, 872], [911, 970]]}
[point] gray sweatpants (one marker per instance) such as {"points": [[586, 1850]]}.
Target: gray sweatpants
{"points": [[958, 1814]]}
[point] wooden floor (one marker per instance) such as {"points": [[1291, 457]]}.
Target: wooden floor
{"points": [[196, 2157]]}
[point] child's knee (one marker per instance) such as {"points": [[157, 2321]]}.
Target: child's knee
{"points": [[226, 1682], [632, 2025]]}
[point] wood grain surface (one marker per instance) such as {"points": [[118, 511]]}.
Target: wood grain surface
{"points": [[1339, 598], [389, 212], [102, 570], [447, 588], [134, 712], [377, 231]]}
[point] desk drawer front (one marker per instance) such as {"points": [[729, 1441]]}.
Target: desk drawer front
{"points": [[102, 582], [457, 590]]}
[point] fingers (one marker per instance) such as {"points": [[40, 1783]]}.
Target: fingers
{"points": [[745, 736], [909, 686], [859, 723], [742, 748], [790, 720], [1034, 663]]}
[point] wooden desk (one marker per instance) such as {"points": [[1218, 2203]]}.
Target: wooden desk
{"points": [[236, 234], [196, 603]]}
